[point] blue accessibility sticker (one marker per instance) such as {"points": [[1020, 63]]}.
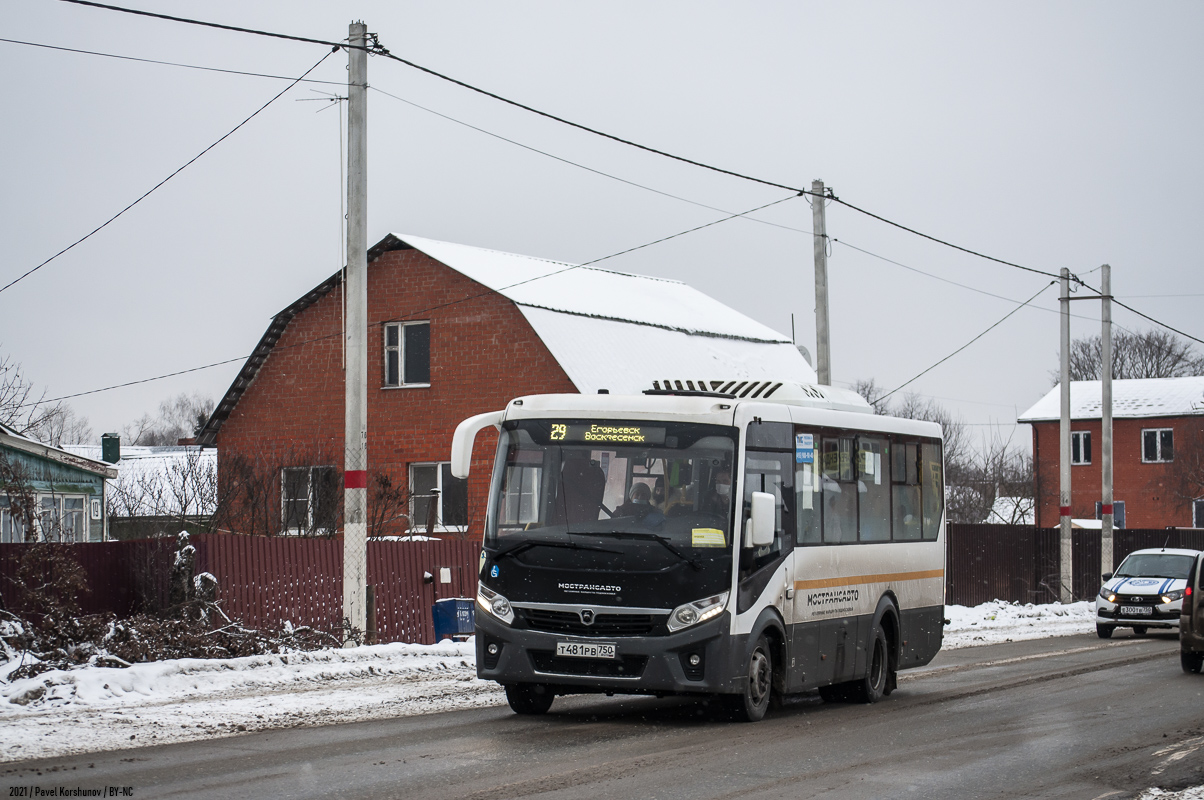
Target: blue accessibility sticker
{"points": [[493, 572]]}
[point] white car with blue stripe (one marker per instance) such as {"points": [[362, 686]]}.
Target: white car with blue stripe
{"points": [[1146, 591]]}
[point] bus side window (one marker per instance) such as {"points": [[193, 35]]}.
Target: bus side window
{"points": [[808, 496], [934, 489], [905, 491], [873, 488], [839, 490]]}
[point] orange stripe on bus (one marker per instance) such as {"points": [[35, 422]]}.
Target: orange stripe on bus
{"points": [[824, 583]]}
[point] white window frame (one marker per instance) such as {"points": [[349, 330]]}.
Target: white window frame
{"points": [[1158, 445], [418, 522], [309, 500], [399, 349], [55, 527], [1080, 437], [12, 531]]}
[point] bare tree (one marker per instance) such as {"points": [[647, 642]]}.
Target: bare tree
{"points": [[25, 410], [1145, 354], [179, 417], [179, 492]]}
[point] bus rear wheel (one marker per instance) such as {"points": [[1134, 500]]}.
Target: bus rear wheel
{"points": [[872, 687], [752, 703], [529, 698], [1191, 662]]}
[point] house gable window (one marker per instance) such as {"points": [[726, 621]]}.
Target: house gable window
{"points": [[407, 350], [1080, 447], [438, 500], [1157, 445], [309, 498]]}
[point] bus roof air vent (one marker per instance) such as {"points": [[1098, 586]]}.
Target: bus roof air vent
{"points": [[785, 392]]}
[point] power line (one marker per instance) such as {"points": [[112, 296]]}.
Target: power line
{"points": [[377, 49], [168, 63], [165, 180], [422, 310], [580, 165], [964, 346]]}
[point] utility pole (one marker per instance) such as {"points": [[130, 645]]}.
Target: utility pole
{"points": [[1105, 550], [355, 431], [1066, 581], [823, 355]]}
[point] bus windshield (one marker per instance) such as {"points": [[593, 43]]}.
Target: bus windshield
{"points": [[625, 495]]}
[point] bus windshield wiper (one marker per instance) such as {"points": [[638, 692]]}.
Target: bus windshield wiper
{"points": [[521, 547], [664, 542]]}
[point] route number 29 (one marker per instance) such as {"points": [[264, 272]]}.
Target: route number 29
{"points": [[558, 431]]}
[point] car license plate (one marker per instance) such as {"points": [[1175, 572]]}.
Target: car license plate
{"points": [[1137, 611], [585, 650]]}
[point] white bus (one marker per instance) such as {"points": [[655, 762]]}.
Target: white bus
{"points": [[616, 559]]}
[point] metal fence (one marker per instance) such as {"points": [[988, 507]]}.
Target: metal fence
{"points": [[265, 582], [1022, 564]]}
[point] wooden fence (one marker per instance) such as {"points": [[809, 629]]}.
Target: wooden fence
{"points": [[265, 582]]}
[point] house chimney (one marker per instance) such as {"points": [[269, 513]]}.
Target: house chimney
{"points": [[110, 448]]}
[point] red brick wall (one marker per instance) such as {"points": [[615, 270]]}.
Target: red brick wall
{"points": [[1153, 494], [483, 353]]}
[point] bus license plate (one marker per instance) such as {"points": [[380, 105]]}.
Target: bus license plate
{"points": [[585, 650], [1137, 611]]}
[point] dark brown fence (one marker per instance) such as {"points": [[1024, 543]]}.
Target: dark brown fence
{"points": [[1023, 564], [265, 582]]}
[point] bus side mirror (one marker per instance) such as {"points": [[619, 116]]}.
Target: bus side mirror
{"points": [[761, 520], [465, 435]]}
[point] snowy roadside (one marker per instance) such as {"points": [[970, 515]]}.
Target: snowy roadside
{"points": [[100, 708]]}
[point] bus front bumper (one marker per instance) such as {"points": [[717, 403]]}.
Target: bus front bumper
{"points": [[699, 659]]}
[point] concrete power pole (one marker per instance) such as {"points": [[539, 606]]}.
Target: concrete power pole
{"points": [[355, 432], [1066, 581], [1105, 552], [823, 355]]}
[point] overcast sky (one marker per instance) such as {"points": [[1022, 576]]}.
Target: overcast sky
{"points": [[1050, 135]]}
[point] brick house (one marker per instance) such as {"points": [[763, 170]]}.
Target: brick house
{"points": [[1157, 452], [454, 331]]}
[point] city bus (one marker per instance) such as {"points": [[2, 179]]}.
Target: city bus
{"points": [[746, 540]]}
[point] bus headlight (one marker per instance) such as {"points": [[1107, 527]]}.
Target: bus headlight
{"points": [[494, 603], [699, 611]]}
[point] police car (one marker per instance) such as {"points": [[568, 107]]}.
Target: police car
{"points": [[1146, 591]]}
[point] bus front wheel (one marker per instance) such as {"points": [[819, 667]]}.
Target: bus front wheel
{"points": [[752, 703], [529, 698]]}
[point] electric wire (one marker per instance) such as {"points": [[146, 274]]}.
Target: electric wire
{"points": [[422, 311], [580, 165], [376, 49], [169, 63], [964, 346], [165, 180]]}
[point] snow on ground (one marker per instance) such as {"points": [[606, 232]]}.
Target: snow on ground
{"points": [[997, 621], [99, 708]]}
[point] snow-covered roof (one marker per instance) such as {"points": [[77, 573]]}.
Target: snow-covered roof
{"points": [[593, 292], [1012, 511], [63, 455], [160, 481], [1143, 397]]}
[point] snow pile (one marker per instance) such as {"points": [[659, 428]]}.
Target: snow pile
{"points": [[998, 621], [1194, 793], [96, 708]]}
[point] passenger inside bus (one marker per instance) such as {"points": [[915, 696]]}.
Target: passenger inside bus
{"points": [[639, 504]]}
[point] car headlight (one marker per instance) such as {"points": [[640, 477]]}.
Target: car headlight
{"points": [[1170, 597], [494, 603], [1107, 594], [699, 611]]}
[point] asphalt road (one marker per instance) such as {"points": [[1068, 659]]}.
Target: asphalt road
{"points": [[1071, 717]]}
